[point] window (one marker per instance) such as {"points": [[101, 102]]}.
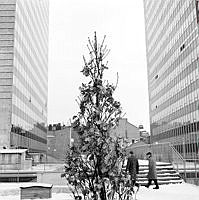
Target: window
{"points": [[182, 47]]}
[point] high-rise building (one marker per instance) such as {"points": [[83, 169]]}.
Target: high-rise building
{"points": [[172, 48], [23, 74]]}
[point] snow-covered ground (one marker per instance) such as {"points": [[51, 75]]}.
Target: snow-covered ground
{"points": [[182, 191]]}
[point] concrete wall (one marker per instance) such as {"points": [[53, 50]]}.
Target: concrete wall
{"points": [[51, 178], [6, 69], [58, 142], [14, 161]]}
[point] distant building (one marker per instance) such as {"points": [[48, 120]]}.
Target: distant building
{"points": [[61, 137], [23, 74], [126, 130], [59, 141], [144, 135]]}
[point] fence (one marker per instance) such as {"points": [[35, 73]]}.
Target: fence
{"points": [[161, 152], [42, 172]]}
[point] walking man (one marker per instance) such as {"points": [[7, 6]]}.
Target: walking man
{"points": [[133, 168], [152, 174]]}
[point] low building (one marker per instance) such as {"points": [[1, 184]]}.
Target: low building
{"points": [[127, 131], [144, 135], [58, 141], [60, 137], [14, 159]]}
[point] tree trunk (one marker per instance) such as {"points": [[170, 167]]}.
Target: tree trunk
{"points": [[103, 192]]}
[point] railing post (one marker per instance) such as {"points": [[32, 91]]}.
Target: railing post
{"points": [[185, 171], [178, 169], [195, 168], [18, 172]]}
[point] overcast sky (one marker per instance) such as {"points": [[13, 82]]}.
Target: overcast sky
{"points": [[71, 23]]}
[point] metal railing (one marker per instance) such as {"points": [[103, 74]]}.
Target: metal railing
{"points": [[161, 152], [188, 168], [40, 172]]}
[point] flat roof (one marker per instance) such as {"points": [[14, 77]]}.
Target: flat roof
{"points": [[13, 150], [37, 185]]}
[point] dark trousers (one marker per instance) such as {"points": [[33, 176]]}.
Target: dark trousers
{"points": [[134, 183], [150, 181]]}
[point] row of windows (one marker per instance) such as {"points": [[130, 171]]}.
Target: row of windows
{"points": [[27, 44], [163, 126], [5, 75], [36, 128], [148, 4], [183, 92], [28, 134], [167, 58], [33, 80], [5, 62], [42, 25], [7, 19], [6, 13], [172, 20], [187, 95], [151, 19], [192, 47], [5, 88], [182, 130], [189, 75], [7, 7], [177, 114], [22, 59], [188, 82], [5, 81], [6, 49], [162, 19], [21, 142], [185, 38], [150, 11], [6, 55], [29, 41], [26, 103], [30, 76], [30, 18], [5, 95], [30, 90], [163, 74], [24, 116], [175, 29]]}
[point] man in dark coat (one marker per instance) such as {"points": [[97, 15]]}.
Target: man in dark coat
{"points": [[133, 168], [152, 174]]}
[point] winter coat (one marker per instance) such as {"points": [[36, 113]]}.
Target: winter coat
{"points": [[152, 174], [132, 166]]}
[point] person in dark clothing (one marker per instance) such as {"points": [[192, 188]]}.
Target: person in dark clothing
{"points": [[133, 168], [152, 174]]}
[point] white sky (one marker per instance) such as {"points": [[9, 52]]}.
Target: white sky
{"points": [[71, 23]]}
